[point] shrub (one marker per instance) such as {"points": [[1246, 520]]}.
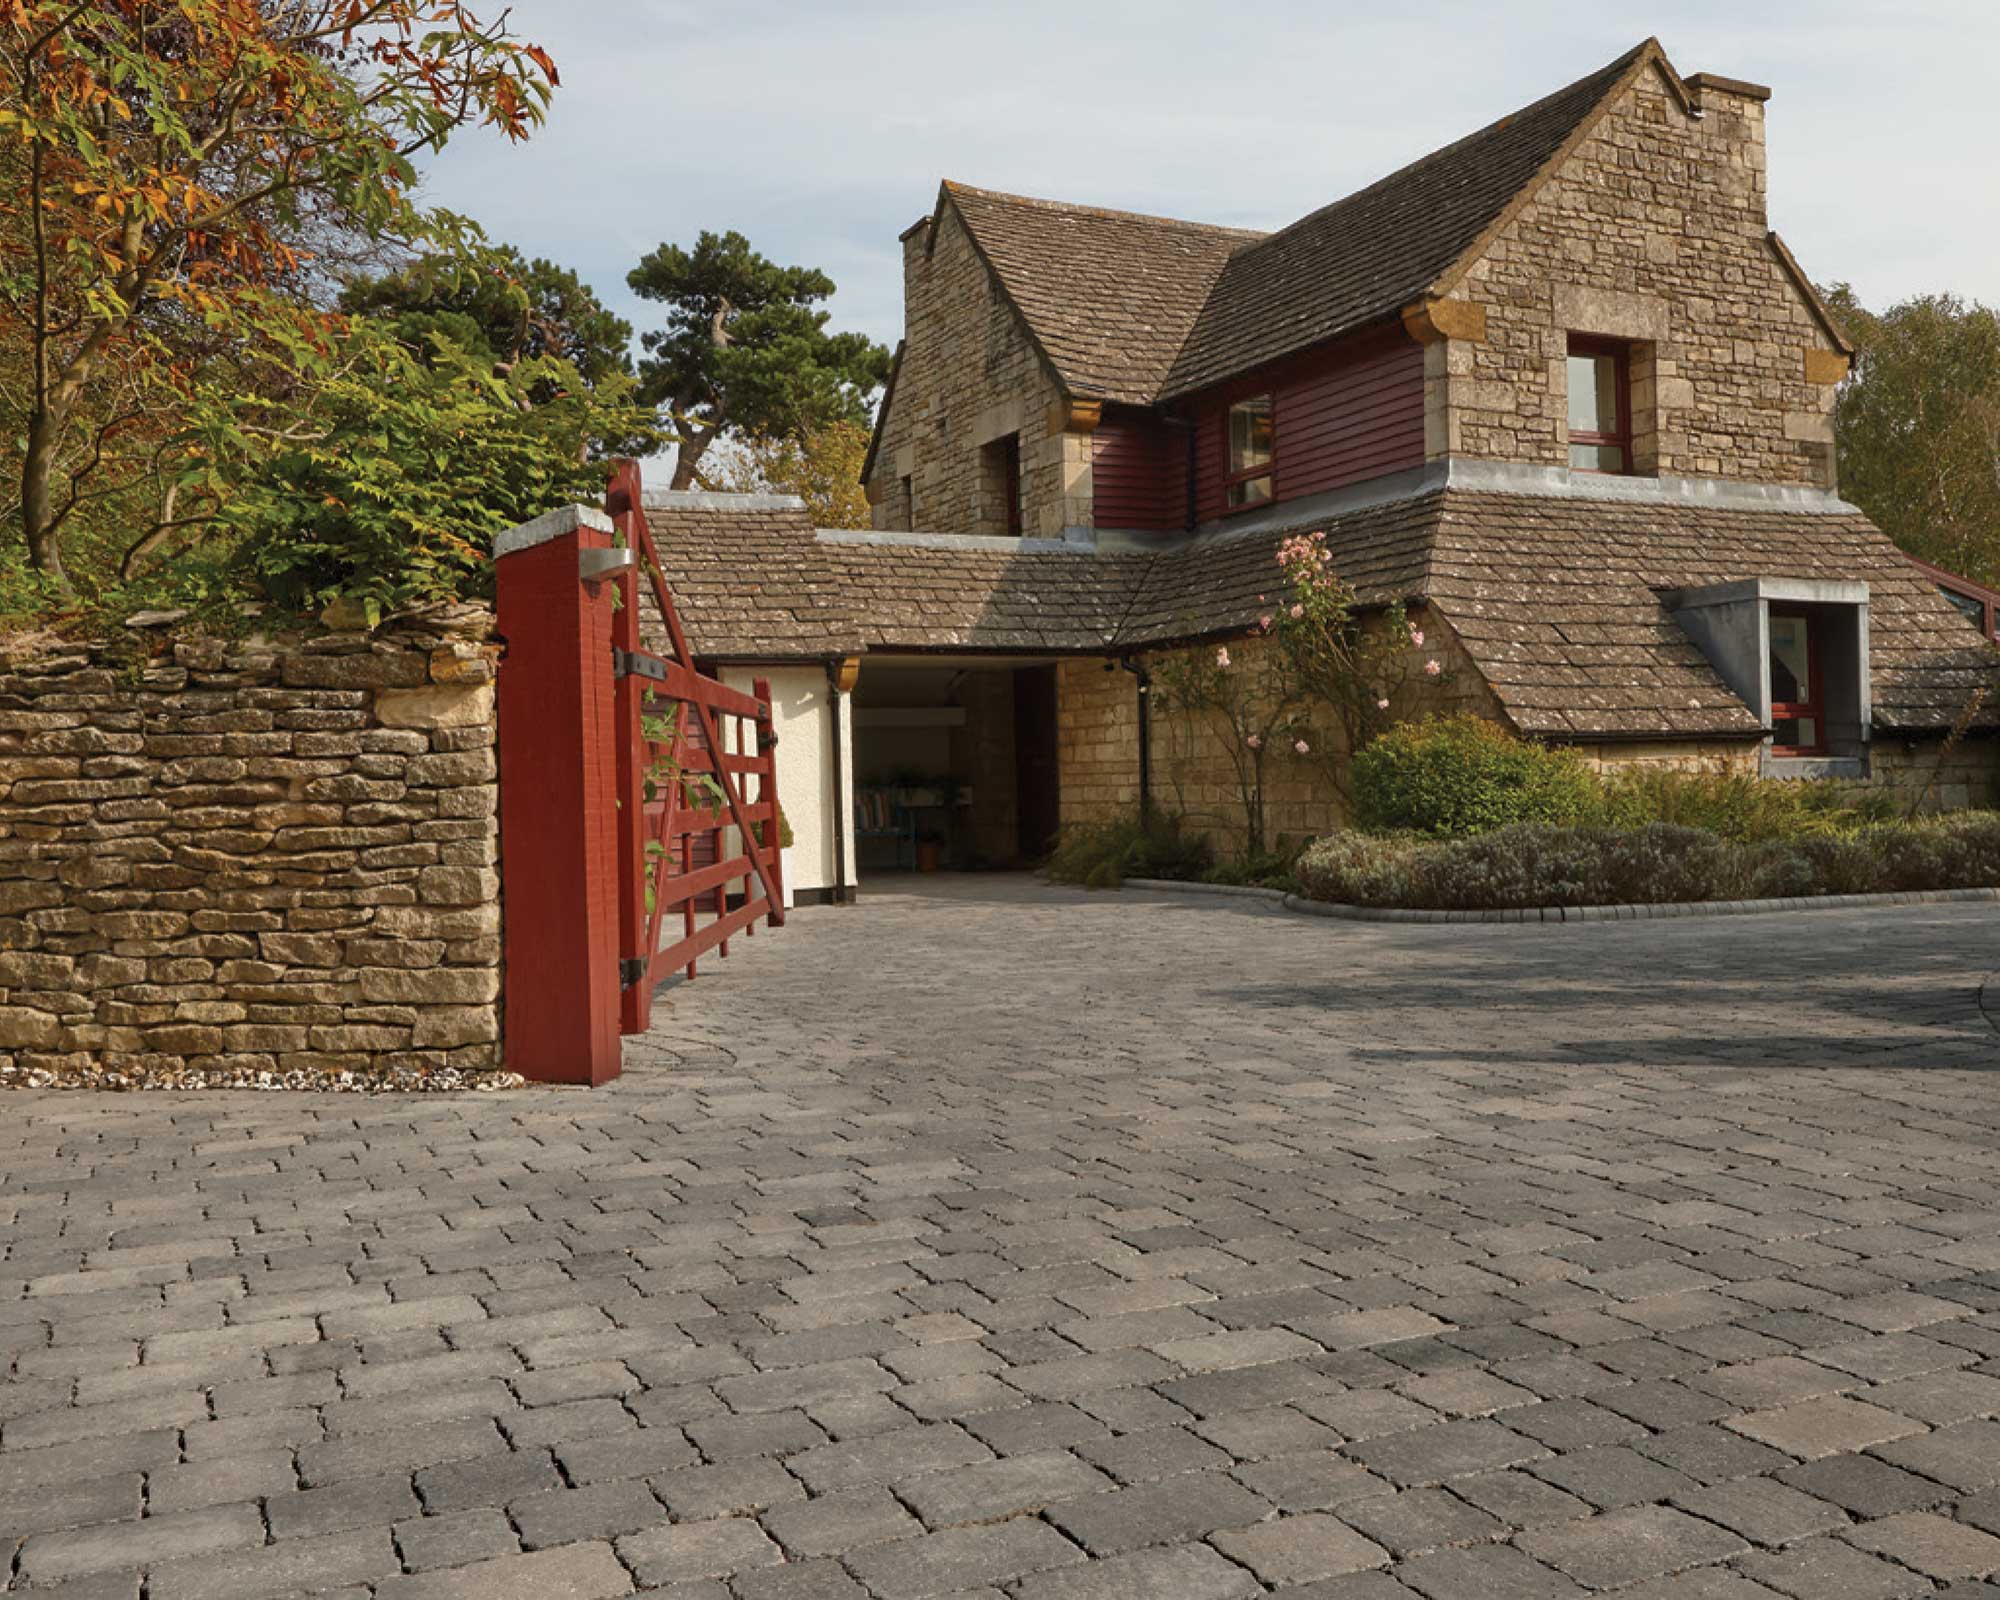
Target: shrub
{"points": [[1739, 806], [1464, 775], [1659, 864], [1102, 855]]}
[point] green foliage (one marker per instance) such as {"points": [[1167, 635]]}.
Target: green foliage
{"points": [[1918, 427], [410, 466], [178, 175], [1102, 855], [1740, 807], [1658, 864], [501, 307], [745, 348], [1464, 775]]}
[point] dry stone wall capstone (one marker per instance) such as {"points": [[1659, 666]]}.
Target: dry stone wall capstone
{"points": [[253, 862]]}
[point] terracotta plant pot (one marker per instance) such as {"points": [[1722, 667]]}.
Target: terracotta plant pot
{"points": [[929, 854]]}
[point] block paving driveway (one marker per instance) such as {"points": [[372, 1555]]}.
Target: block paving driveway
{"points": [[1002, 1241]]}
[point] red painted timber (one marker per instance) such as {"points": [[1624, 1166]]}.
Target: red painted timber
{"points": [[558, 844], [1342, 415], [1138, 472]]}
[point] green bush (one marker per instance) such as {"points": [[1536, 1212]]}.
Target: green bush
{"points": [[1739, 806], [1103, 855], [1454, 776], [1658, 864]]}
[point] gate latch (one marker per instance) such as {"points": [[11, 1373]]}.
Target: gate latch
{"points": [[630, 971]]}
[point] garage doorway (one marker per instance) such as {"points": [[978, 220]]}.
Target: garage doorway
{"points": [[955, 763]]}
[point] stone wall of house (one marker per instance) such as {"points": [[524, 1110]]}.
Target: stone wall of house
{"points": [[1653, 231], [1194, 773], [969, 377], [1718, 758], [1926, 775], [224, 860]]}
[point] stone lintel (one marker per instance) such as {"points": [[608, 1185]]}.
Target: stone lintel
{"points": [[1070, 414]]}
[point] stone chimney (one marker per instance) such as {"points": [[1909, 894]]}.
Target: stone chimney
{"points": [[1734, 113], [916, 242]]}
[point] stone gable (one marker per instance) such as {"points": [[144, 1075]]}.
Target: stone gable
{"points": [[1652, 230], [969, 377]]}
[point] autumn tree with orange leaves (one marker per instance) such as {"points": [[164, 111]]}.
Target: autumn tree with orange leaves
{"points": [[166, 167]]}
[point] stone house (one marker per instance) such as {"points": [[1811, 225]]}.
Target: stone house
{"points": [[1556, 387]]}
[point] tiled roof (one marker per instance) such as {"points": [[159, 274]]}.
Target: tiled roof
{"points": [[1142, 309], [1362, 259], [752, 581], [1109, 296], [1558, 599]]}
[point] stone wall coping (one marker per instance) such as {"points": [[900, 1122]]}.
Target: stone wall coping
{"points": [[720, 500], [1569, 914], [549, 525]]}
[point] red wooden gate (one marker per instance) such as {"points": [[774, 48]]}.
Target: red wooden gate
{"points": [[625, 812], [680, 785]]}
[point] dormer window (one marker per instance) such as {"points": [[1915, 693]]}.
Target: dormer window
{"points": [[1798, 716], [1600, 406], [1251, 443]]}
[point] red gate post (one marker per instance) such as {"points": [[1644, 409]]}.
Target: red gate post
{"points": [[558, 814]]}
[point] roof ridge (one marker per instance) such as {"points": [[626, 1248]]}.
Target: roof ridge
{"points": [[1110, 213], [1616, 67]]}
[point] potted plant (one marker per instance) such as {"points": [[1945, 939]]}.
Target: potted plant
{"points": [[930, 851]]}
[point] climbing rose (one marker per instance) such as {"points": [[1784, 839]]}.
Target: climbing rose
{"points": [[1255, 741], [1381, 705], [1302, 747], [1222, 657], [1264, 623], [1417, 637], [1297, 612], [1432, 669]]}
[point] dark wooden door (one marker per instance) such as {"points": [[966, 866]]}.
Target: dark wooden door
{"points": [[1038, 801]]}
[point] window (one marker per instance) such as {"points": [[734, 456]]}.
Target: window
{"points": [[906, 509], [1251, 441], [1798, 719], [1600, 406]]}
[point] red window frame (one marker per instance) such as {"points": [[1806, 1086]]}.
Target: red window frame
{"points": [[1621, 354], [1266, 469], [1815, 707]]}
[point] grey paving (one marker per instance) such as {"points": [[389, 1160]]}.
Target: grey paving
{"points": [[996, 1240]]}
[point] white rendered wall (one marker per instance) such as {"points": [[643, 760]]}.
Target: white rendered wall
{"points": [[802, 714]]}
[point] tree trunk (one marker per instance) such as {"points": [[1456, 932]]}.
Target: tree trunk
{"points": [[693, 445], [38, 512]]}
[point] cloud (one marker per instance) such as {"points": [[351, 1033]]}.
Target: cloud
{"points": [[821, 130]]}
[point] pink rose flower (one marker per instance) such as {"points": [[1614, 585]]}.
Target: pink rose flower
{"points": [[1264, 623], [1222, 657], [1255, 741], [1302, 747], [1297, 612], [1417, 637], [1432, 669], [1381, 705]]}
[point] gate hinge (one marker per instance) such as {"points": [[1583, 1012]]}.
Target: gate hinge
{"points": [[630, 971], [637, 664]]}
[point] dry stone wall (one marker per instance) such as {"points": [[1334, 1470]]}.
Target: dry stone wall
{"points": [[248, 862]]}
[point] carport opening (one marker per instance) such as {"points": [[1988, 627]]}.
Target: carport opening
{"points": [[954, 764]]}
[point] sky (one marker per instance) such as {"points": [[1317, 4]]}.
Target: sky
{"points": [[821, 130]]}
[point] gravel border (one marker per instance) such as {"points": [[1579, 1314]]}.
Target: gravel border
{"points": [[1701, 908]]}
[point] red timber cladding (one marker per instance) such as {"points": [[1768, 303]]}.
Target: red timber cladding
{"points": [[1138, 469], [1339, 416]]}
